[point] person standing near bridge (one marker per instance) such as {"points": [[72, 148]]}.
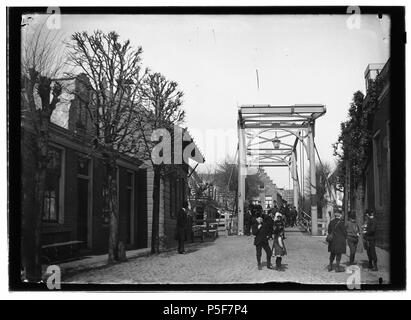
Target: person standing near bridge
{"points": [[247, 222], [337, 243], [369, 240], [262, 229], [293, 216], [353, 235], [181, 227], [278, 244]]}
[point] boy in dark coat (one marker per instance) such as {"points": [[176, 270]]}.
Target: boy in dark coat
{"points": [[262, 230], [338, 244], [353, 234]]}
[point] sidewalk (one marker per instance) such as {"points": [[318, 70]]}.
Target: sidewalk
{"points": [[95, 262], [98, 262]]}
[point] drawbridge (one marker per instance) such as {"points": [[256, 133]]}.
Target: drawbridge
{"points": [[278, 136]]}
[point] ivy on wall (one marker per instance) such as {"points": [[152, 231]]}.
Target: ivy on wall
{"points": [[354, 142]]}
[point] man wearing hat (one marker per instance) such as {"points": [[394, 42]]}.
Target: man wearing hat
{"points": [[262, 229], [337, 244], [369, 236], [353, 234]]}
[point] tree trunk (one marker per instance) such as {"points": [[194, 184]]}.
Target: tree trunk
{"points": [[32, 219], [359, 203], [113, 208], [155, 243], [347, 190]]}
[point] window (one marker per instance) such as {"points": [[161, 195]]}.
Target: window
{"points": [[388, 124], [52, 203], [83, 166], [172, 196], [129, 205], [178, 194], [50, 211]]}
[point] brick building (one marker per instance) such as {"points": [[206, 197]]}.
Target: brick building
{"points": [[75, 200], [377, 193]]}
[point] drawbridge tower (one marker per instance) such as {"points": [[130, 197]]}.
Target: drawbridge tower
{"points": [[268, 136]]}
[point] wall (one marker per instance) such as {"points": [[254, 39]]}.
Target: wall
{"points": [[382, 212], [67, 229]]}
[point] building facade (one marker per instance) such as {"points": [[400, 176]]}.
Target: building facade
{"points": [[76, 197], [377, 187]]}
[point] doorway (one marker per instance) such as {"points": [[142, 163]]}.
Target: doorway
{"points": [[82, 210]]}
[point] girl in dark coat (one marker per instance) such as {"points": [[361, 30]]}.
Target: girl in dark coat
{"points": [[278, 244], [337, 246]]}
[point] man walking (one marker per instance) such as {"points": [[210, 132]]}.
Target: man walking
{"points": [[369, 238], [262, 230], [353, 234], [182, 227]]}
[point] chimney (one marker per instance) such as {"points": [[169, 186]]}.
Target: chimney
{"points": [[79, 117], [371, 73]]}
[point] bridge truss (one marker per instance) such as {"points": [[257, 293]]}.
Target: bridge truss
{"points": [[268, 137]]}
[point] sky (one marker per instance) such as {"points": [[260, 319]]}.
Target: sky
{"points": [[301, 59]]}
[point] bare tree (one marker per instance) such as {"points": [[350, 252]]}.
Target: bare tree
{"points": [[322, 173], [162, 110], [41, 63], [112, 79]]}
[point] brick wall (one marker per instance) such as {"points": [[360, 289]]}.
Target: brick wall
{"points": [[383, 210]]}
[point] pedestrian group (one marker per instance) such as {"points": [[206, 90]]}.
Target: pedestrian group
{"points": [[340, 234], [266, 226]]}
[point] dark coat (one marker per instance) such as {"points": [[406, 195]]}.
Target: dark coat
{"points": [[371, 229], [181, 225], [262, 234], [247, 218], [338, 244]]}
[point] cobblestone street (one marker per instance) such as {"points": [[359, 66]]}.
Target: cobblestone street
{"points": [[232, 260]]}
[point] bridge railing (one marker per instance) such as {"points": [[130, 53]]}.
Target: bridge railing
{"points": [[305, 221]]}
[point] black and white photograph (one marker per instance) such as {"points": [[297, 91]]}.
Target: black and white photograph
{"points": [[206, 148]]}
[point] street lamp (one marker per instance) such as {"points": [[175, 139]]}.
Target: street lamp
{"points": [[276, 142]]}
